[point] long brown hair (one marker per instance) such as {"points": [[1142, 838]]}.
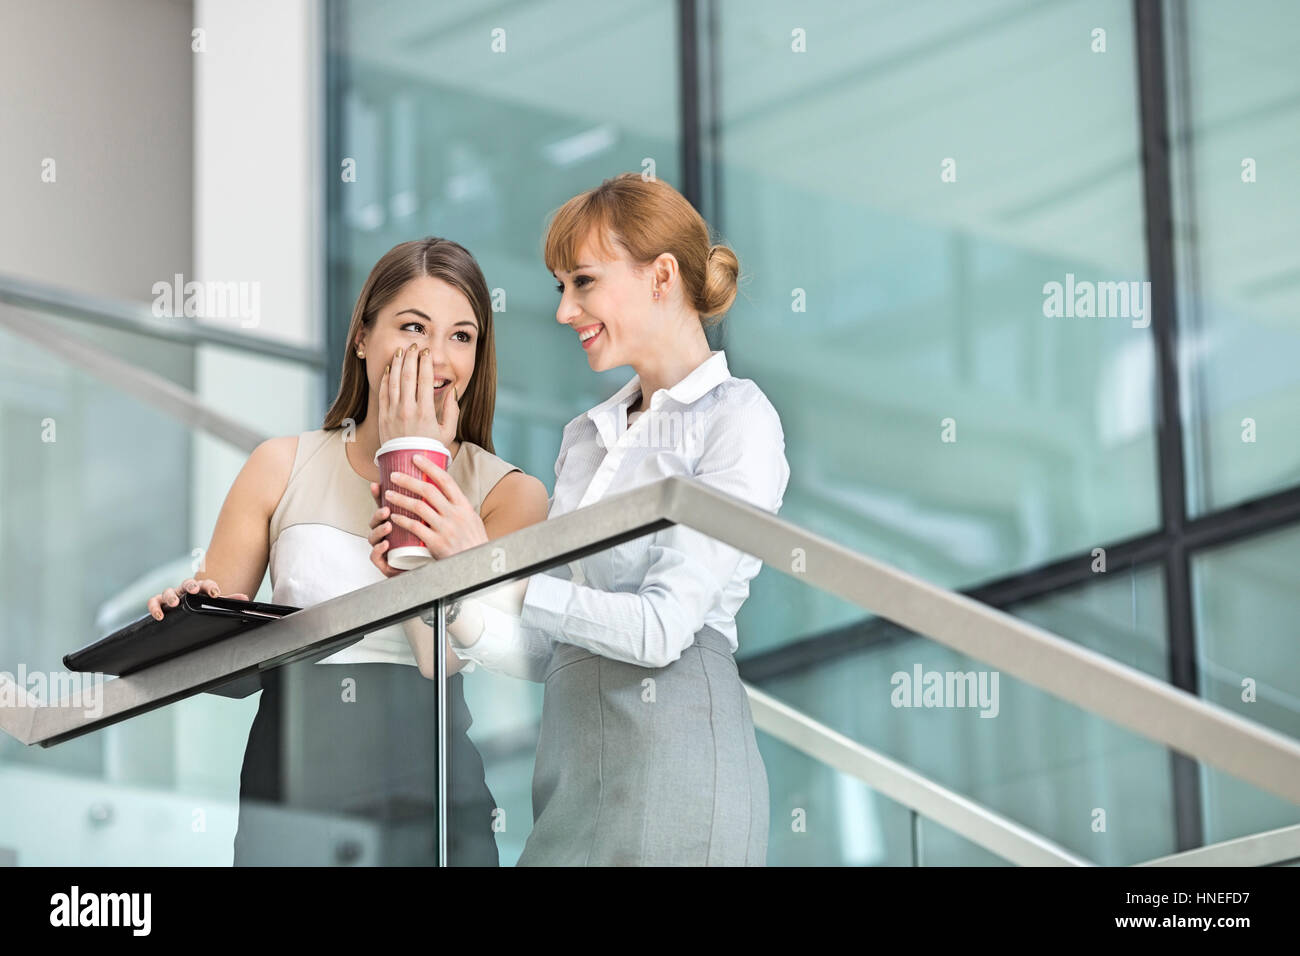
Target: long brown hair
{"points": [[439, 259], [647, 217]]}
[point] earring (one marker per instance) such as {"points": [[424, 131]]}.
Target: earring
{"points": [[360, 354], [656, 293]]}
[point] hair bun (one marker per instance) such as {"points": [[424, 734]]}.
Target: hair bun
{"points": [[721, 270]]}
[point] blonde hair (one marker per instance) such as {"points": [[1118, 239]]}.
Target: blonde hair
{"points": [[647, 217], [452, 263]]}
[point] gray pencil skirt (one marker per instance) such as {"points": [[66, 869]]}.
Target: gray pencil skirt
{"points": [[642, 766]]}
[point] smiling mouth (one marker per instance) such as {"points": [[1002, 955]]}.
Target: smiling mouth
{"points": [[591, 335]]}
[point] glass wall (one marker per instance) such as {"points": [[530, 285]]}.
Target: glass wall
{"points": [[941, 213], [1246, 613], [901, 188], [475, 122], [1235, 139]]}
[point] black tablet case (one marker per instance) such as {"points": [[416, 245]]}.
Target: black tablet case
{"points": [[197, 621]]}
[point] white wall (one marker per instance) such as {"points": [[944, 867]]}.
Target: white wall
{"points": [[258, 95], [104, 90]]}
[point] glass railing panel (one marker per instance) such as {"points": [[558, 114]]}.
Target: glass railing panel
{"points": [[1042, 763], [340, 765], [821, 816], [1091, 786], [1095, 788], [936, 845], [108, 500]]}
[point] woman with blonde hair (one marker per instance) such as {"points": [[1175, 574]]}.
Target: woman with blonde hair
{"points": [[352, 737], [647, 753]]}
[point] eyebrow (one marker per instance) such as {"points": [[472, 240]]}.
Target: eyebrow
{"points": [[427, 319], [581, 265]]}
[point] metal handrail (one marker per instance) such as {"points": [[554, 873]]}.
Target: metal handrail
{"points": [[345, 619], [977, 823], [139, 319], [1091, 680], [1258, 849], [149, 387]]}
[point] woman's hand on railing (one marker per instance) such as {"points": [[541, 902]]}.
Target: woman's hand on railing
{"points": [[171, 597], [408, 404]]}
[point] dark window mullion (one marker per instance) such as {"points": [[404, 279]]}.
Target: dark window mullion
{"points": [[688, 58], [1158, 201]]}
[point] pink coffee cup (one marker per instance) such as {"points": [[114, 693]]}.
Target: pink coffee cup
{"points": [[405, 549]]}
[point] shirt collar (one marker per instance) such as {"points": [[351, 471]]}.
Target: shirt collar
{"points": [[609, 414]]}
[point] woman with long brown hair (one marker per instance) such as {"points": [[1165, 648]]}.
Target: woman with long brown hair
{"points": [[352, 736]]}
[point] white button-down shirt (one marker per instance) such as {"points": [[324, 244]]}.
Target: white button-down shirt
{"points": [[644, 601]]}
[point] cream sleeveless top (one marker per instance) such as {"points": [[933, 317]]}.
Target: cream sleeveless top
{"points": [[319, 532]]}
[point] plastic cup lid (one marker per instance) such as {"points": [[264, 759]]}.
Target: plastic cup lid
{"points": [[415, 442]]}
